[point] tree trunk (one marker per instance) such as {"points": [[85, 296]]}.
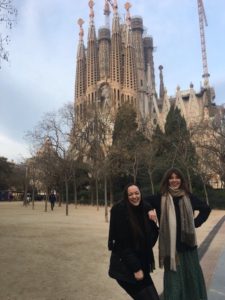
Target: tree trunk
{"points": [[111, 192], [25, 188], [105, 196], [96, 191], [151, 182], [92, 194], [67, 197], [60, 198], [189, 180], [135, 167], [205, 191], [32, 197], [46, 200], [134, 175], [75, 192]]}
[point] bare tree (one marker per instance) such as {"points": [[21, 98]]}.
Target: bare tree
{"points": [[57, 146], [8, 14], [97, 136], [77, 145], [50, 142], [210, 141]]}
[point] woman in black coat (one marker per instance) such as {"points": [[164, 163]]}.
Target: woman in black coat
{"points": [[175, 206], [131, 238]]}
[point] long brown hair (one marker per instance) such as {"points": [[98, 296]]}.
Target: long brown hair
{"points": [[137, 233], [164, 187]]}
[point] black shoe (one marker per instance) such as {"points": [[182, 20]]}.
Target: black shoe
{"points": [[148, 293]]}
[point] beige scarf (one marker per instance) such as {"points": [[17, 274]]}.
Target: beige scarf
{"points": [[168, 227]]}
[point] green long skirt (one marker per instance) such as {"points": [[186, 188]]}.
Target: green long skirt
{"points": [[187, 283]]}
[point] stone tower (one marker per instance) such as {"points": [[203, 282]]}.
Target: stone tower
{"points": [[115, 67]]}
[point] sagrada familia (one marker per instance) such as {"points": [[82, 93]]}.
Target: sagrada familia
{"points": [[117, 66]]}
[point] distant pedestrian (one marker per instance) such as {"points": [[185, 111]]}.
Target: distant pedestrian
{"points": [[52, 199], [28, 198]]}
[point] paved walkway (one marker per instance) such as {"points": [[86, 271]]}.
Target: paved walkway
{"points": [[212, 252], [216, 290], [36, 272], [212, 255]]}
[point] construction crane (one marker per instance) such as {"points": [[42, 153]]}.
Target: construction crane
{"points": [[203, 22]]}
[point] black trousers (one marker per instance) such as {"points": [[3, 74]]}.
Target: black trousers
{"points": [[134, 288]]}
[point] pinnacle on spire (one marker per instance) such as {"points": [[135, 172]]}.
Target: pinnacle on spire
{"points": [[106, 8], [115, 7], [128, 18], [91, 14], [80, 22], [107, 13]]}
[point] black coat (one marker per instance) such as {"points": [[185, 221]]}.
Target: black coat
{"points": [[52, 198], [197, 205], [129, 256]]}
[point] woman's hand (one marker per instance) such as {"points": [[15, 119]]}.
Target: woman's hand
{"points": [[152, 215], [139, 275]]}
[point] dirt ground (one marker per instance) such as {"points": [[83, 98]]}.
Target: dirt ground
{"points": [[51, 256]]}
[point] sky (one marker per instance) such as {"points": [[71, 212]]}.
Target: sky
{"points": [[40, 76]]}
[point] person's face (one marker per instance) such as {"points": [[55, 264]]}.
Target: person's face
{"points": [[134, 195], [174, 181]]}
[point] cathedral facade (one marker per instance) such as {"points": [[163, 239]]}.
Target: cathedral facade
{"points": [[117, 66]]}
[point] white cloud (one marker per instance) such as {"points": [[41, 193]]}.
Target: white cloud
{"points": [[12, 149]]}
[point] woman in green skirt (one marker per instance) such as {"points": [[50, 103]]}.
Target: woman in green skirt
{"points": [[175, 206]]}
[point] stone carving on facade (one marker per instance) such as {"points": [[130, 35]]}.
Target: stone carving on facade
{"points": [[105, 96]]}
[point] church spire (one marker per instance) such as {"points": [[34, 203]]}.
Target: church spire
{"points": [[130, 78], [91, 31], [80, 83], [92, 50], [116, 53]]}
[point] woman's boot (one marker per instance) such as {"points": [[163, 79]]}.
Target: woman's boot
{"points": [[148, 293]]}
